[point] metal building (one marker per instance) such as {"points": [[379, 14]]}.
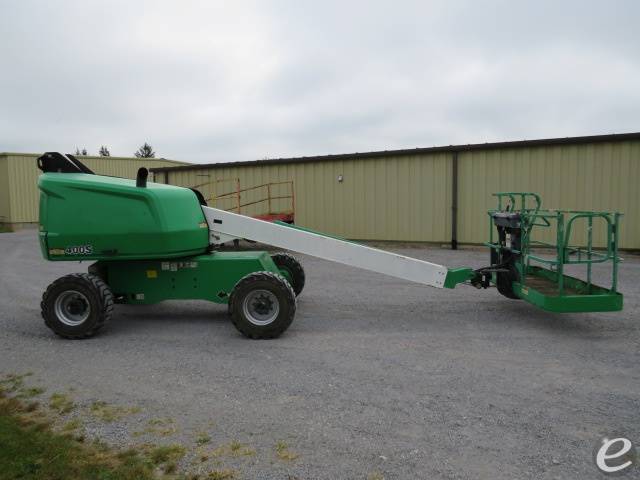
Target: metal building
{"points": [[19, 178], [438, 194]]}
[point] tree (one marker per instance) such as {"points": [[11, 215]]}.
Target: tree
{"points": [[145, 151], [81, 152], [104, 151]]}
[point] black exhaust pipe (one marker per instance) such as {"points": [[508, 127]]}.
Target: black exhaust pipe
{"points": [[141, 178]]}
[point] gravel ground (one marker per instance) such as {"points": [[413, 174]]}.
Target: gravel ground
{"points": [[376, 378]]}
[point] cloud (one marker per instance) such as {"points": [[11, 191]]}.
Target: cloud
{"points": [[226, 81]]}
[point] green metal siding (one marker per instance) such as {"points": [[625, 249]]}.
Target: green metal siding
{"points": [[20, 180]]}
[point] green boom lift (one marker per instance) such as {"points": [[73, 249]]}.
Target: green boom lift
{"points": [[151, 242]]}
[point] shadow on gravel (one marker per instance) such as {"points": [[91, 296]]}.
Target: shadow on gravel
{"points": [[578, 324], [186, 317], [173, 311]]}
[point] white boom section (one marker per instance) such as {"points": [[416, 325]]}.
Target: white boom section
{"points": [[226, 226]]}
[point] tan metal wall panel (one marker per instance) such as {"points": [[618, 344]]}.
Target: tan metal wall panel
{"points": [[5, 206], [23, 189], [22, 179], [602, 176], [408, 197], [403, 198]]}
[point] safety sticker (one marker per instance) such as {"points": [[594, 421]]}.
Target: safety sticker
{"points": [[175, 266]]}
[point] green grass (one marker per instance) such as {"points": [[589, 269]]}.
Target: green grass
{"points": [[110, 413], [225, 474], [13, 383], [161, 427], [30, 392], [375, 476], [283, 452], [4, 228], [72, 425], [61, 403], [166, 453], [203, 438], [31, 450], [234, 449], [44, 443]]}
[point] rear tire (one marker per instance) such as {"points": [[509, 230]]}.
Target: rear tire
{"points": [[77, 306], [291, 268], [262, 305]]}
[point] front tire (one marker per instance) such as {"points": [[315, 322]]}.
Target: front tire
{"points": [[291, 269], [262, 305], [77, 306]]}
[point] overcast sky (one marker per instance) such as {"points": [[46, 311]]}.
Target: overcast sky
{"points": [[225, 81]]}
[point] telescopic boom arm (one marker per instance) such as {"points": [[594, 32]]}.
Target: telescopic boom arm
{"points": [[226, 226]]}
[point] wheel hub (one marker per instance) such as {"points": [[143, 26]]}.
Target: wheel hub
{"points": [[72, 308], [261, 307]]}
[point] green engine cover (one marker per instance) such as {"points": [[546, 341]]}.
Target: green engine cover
{"points": [[94, 217]]}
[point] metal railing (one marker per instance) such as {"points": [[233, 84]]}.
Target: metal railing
{"points": [[270, 195], [564, 222]]}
